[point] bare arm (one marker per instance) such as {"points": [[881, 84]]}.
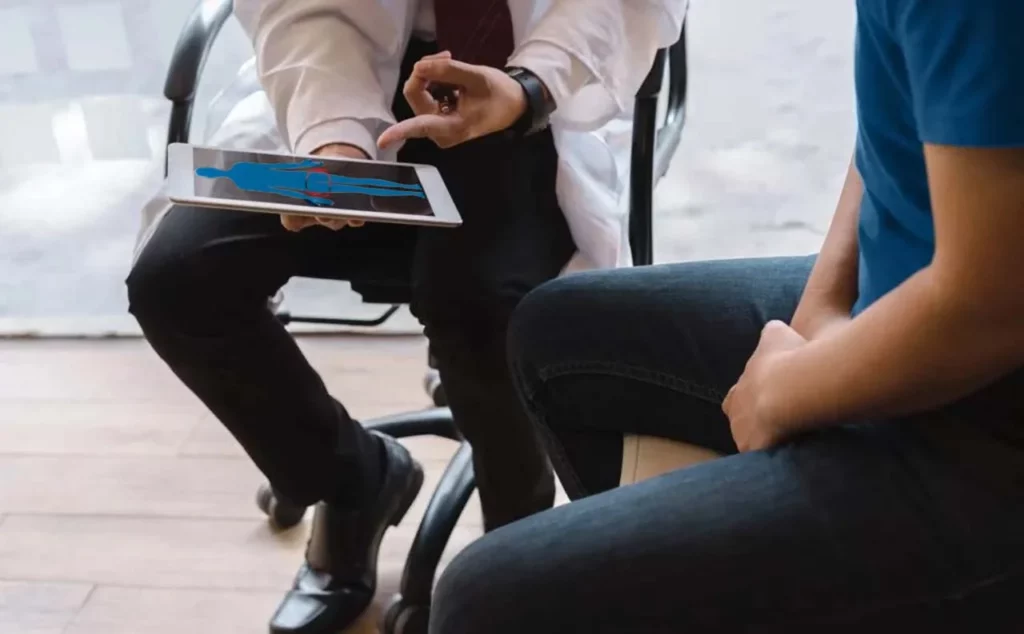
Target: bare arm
{"points": [[948, 330], [832, 287]]}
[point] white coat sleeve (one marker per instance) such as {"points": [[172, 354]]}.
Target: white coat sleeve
{"points": [[593, 55], [318, 62]]}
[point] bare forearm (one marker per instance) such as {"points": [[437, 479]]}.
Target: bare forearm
{"points": [[832, 287], [921, 346]]}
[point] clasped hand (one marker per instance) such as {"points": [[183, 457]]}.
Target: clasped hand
{"points": [[757, 419], [487, 101]]}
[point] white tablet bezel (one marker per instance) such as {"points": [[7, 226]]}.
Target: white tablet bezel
{"points": [[181, 190]]}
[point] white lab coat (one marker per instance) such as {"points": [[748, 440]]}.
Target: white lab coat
{"points": [[329, 68]]}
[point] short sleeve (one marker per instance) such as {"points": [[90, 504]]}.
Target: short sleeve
{"points": [[965, 65]]}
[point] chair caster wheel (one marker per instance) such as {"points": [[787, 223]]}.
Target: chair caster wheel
{"points": [[402, 618], [282, 514], [434, 389]]}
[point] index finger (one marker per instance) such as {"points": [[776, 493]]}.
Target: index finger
{"points": [[417, 94], [449, 71]]}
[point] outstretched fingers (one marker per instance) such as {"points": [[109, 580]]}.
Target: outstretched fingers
{"points": [[444, 130]]}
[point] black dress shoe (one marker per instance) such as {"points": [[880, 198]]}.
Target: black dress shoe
{"points": [[337, 582]]}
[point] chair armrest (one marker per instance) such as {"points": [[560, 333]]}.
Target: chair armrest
{"points": [[652, 147], [678, 72], [642, 163], [651, 88], [671, 130], [194, 44]]}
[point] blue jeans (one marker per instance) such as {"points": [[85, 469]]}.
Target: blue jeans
{"points": [[909, 525]]}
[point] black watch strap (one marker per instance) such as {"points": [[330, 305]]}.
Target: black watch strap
{"points": [[538, 106]]}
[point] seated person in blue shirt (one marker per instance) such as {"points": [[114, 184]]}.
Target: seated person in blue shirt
{"points": [[869, 403]]}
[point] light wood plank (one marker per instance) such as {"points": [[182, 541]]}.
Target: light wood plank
{"points": [[39, 608], [210, 438], [375, 369], [405, 354], [110, 371], [170, 611], [176, 553], [113, 474], [210, 488], [215, 488], [96, 428], [173, 611]]}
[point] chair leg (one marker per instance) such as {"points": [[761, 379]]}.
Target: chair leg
{"points": [[408, 611]]}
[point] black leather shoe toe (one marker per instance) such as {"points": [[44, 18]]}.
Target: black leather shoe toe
{"points": [[337, 582]]}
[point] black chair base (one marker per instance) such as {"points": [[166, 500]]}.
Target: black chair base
{"points": [[281, 513], [401, 618], [409, 610]]}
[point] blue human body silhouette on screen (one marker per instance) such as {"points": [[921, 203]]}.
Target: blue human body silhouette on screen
{"points": [[306, 180]]}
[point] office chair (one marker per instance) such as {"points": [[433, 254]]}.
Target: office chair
{"points": [[652, 149]]}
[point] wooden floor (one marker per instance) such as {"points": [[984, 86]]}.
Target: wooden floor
{"points": [[125, 507]]}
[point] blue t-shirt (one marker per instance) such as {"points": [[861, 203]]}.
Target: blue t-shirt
{"points": [[945, 72]]}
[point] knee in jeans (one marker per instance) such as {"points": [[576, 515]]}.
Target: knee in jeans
{"points": [[548, 316], [467, 599], [502, 584]]}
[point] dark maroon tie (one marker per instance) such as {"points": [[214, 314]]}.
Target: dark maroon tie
{"points": [[475, 31]]}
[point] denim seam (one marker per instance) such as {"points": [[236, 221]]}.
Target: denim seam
{"points": [[555, 450], [637, 373], [558, 456], [569, 368]]}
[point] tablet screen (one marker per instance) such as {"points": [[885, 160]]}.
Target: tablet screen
{"points": [[312, 182]]}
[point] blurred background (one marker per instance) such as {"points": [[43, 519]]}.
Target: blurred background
{"points": [[82, 129]]}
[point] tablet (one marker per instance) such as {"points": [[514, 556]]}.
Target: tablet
{"points": [[351, 189]]}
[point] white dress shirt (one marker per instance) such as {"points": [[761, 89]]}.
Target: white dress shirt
{"points": [[329, 69]]}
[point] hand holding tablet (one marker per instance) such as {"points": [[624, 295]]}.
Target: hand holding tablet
{"points": [[334, 190], [292, 222]]}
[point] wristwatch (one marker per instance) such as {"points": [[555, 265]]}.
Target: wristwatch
{"points": [[539, 104]]}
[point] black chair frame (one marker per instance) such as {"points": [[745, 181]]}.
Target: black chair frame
{"points": [[652, 150]]}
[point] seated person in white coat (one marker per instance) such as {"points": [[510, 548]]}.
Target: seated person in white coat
{"points": [[532, 196]]}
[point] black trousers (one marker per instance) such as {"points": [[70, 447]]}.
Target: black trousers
{"points": [[200, 291]]}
